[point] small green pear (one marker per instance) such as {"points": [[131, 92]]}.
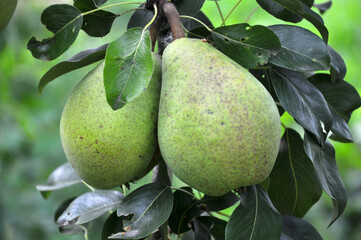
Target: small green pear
{"points": [[218, 128], [109, 148], [7, 9]]}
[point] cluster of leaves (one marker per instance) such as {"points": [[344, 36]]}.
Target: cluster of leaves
{"points": [[285, 58]]}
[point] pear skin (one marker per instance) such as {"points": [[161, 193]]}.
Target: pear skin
{"points": [[218, 127], [109, 148]]}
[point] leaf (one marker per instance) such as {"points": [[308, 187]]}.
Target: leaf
{"points": [[112, 225], [255, 218], [188, 236], [70, 228], [150, 206], [189, 24], [342, 99], [263, 76], [250, 46], [299, 8], [161, 174], [65, 22], [338, 66], [214, 226], [128, 67], [190, 8], [219, 203], [98, 23], [303, 101], [294, 187], [140, 18], [62, 177], [201, 230], [278, 11], [301, 49], [80, 60], [298, 229], [324, 161], [89, 206], [184, 210], [323, 7]]}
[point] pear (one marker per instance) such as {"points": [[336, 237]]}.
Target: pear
{"points": [[7, 9], [218, 127], [109, 148]]}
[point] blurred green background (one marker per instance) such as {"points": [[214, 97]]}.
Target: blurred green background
{"points": [[30, 147]]}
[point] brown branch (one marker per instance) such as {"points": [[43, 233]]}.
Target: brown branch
{"points": [[172, 15]]}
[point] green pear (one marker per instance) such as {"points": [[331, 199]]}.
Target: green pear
{"points": [[7, 9], [109, 148], [218, 127]]}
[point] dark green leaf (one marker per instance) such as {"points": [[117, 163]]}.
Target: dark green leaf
{"points": [[255, 218], [187, 7], [89, 206], [278, 11], [324, 161], [250, 46], [189, 24], [62, 177], [338, 66], [294, 187], [298, 229], [342, 99], [71, 227], [216, 227], [184, 210], [112, 225], [303, 101], [65, 22], [323, 7], [95, 24], [161, 173], [301, 49], [299, 8], [188, 236], [128, 67], [80, 60], [285, 237], [201, 33], [140, 18], [263, 76], [219, 203], [87, 5], [150, 206], [202, 230]]}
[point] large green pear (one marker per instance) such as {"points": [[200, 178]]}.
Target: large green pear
{"points": [[218, 128], [7, 9], [109, 148]]}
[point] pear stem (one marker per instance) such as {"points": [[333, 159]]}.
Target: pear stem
{"points": [[155, 29], [172, 15]]}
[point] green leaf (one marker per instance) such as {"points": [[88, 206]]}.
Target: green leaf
{"points": [[71, 227], [298, 229], [190, 8], [65, 22], [128, 67], [250, 46], [255, 218], [184, 210], [202, 230], [98, 23], [214, 204], [278, 11], [299, 8], [323, 7], [80, 60], [342, 99], [150, 206], [161, 173], [294, 187], [301, 49], [113, 224], [338, 66], [263, 76], [62, 177], [302, 100], [324, 161], [89, 206], [214, 226]]}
